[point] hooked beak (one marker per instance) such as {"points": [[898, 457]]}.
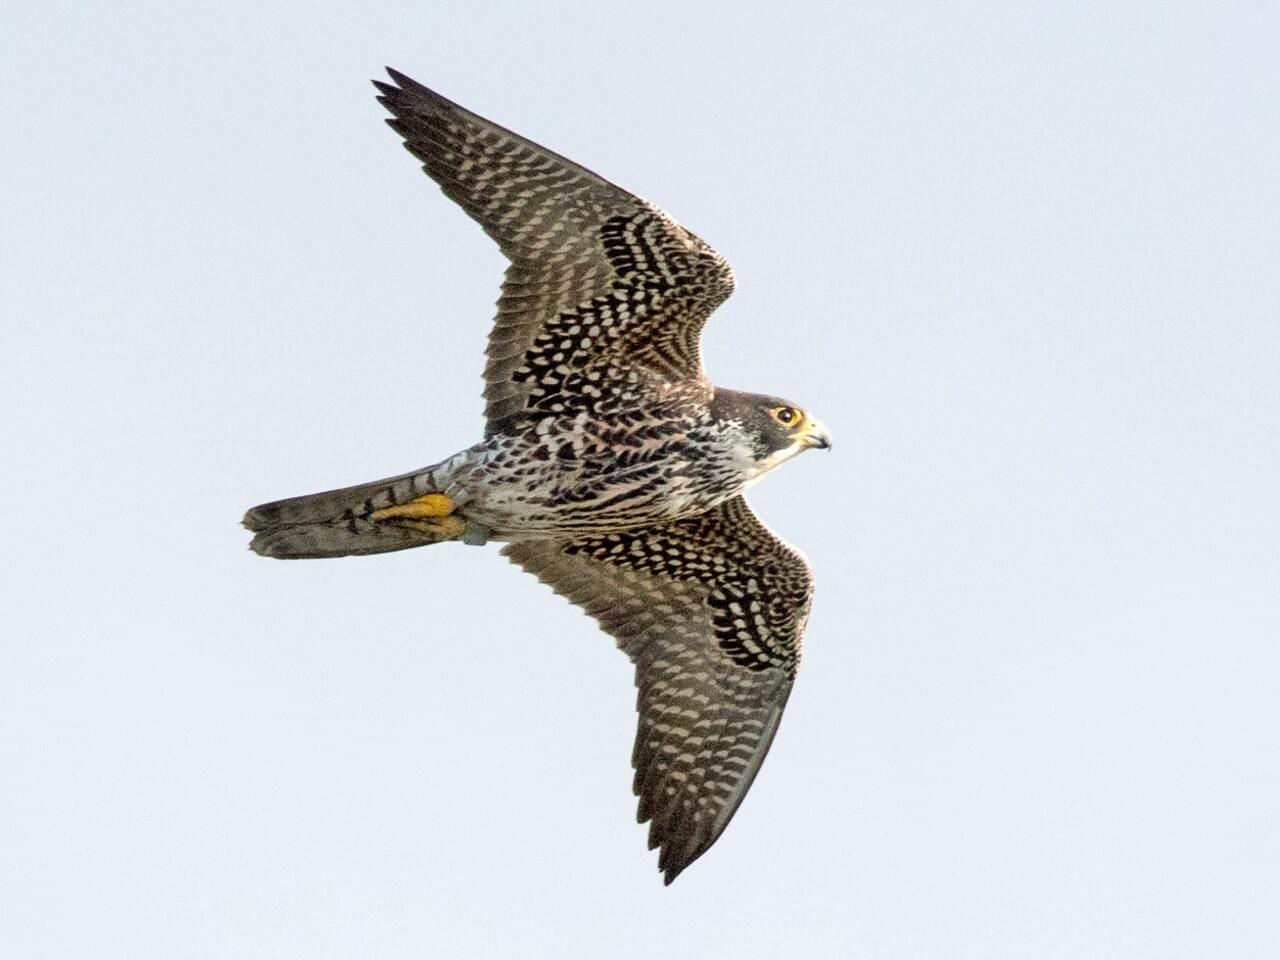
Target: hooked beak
{"points": [[814, 434]]}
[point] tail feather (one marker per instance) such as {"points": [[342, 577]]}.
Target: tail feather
{"points": [[360, 501], [336, 523], [343, 538]]}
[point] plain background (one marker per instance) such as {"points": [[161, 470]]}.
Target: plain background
{"points": [[1021, 258]]}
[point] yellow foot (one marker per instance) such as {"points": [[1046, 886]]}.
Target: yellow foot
{"points": [[428, 505]]}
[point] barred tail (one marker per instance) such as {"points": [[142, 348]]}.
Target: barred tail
{"points": [[337, 523]]}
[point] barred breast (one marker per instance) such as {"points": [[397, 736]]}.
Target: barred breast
{"points": [[553, 481]]}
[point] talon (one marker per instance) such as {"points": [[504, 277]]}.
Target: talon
{"points": [[428, 505]]}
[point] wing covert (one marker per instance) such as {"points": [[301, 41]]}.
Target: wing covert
{"points": [[711, 611], [604, 290]]}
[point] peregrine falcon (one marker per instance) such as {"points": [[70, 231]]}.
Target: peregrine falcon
{"points": [[611, 467]]}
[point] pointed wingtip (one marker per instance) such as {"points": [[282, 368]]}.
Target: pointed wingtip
{"points": [[406, 94], [398, 85], [402, 81]]}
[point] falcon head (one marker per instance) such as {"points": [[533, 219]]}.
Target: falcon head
{"points": [[767, 430]]}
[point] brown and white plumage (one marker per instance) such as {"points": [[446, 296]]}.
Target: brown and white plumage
{"points": [[585, 255], [710, 609], [610, 464]]}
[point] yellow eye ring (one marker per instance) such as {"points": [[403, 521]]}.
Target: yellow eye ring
{"points": [[787, 416]]}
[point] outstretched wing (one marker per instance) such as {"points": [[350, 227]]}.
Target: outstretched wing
{"points": [[605, 296], [711, 610]]}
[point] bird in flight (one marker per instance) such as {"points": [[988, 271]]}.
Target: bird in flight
{"points": [[611, 466]]}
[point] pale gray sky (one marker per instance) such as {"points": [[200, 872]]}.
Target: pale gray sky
{"points": [[1021, 258]]}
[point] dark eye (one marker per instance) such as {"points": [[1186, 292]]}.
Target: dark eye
{"points": [[785, 415]]}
